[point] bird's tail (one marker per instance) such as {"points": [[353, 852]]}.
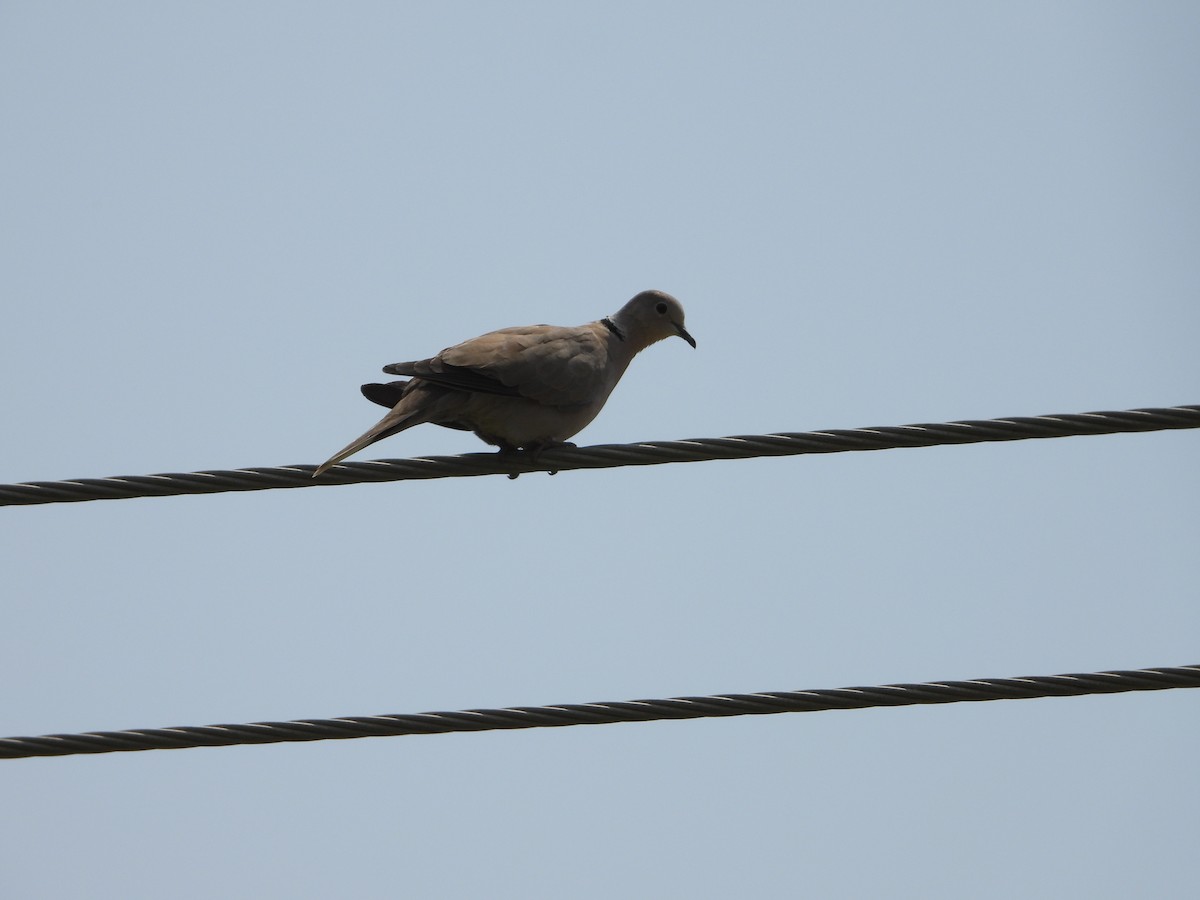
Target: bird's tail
{"points": [[388, 394], [393, 423]]}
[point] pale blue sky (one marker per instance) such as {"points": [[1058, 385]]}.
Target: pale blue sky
{"points": [[218, 219]]}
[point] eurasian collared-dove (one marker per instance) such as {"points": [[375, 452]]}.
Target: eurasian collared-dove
{"points": [[522, 388]]}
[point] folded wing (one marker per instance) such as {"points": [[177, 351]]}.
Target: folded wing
{"points": [[552, 365]]}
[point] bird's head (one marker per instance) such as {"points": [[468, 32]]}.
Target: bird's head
{"points": [[649, 317]]}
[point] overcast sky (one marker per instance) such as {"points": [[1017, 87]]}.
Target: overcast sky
{"points": [[218, 219]]}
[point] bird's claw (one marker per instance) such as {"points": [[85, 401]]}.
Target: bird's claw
{"points": [[535, 453]]}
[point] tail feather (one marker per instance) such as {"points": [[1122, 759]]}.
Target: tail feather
{"points": [[393, 423]]}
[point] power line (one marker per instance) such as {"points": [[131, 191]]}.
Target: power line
{"points": [[1113, 682], [604, 456]]}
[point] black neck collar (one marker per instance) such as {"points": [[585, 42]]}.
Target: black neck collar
{"points": [[612, 326]]}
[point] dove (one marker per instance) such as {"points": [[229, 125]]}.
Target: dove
{"points": [[524, 388]]}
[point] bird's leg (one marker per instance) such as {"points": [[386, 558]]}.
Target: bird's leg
{"points": [[506, 450]]}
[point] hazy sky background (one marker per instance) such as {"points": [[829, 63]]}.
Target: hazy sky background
{"points": [[218, 219]]}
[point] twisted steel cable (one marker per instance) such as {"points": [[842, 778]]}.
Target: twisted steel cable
{"points": [[604, 456], [1114, 682]]}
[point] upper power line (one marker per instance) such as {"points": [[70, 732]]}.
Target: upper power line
{"points": [[605, 456]]}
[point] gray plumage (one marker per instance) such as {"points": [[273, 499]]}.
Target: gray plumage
{"points": [[526, 388]]}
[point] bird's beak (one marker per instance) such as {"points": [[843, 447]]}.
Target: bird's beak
{"points": [[684, 334]]}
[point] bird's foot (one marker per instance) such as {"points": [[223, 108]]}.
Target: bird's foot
{"points": [[535, 452], [549, 445], [506, 451]]}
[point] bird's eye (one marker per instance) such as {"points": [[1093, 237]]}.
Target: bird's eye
{"points": [[661, 309]]}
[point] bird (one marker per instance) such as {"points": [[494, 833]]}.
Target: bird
{"points": [[526, 388]]}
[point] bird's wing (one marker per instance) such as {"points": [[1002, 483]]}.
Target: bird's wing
{"points": [[552, 365]]}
